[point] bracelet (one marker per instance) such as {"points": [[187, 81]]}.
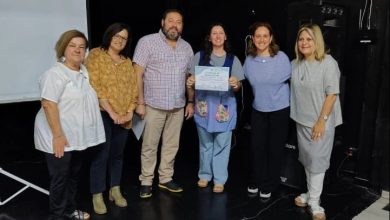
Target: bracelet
{"points": [[190, 101]]}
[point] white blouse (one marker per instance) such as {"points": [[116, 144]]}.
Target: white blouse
{"points": [[78, 107]]}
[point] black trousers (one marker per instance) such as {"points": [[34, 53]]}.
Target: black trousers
{"points": [[63, 173], [268, 137]]}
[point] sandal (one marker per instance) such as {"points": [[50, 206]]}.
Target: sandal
{"points": [[202, 183], [79, 215], [301, 200], [218, 188], [318, 213]]}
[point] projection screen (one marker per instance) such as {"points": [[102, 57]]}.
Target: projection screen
{"points": [[29, 31]]}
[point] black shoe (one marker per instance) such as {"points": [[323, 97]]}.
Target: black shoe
{"points": [[145, 192], [171, 186]]}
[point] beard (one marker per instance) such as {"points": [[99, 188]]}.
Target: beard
{"points": [[171, 35]]}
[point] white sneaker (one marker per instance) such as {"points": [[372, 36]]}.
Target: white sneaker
{"points": [[265, 195], [253, 189]]}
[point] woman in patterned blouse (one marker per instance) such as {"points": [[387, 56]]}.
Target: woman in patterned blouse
{"points": [[112, 76]]}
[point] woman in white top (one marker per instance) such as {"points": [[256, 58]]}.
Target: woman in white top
{"points": [[68, 122], [315, 107]]}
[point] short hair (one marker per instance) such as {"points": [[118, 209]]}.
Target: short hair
{"points": [[111, 31], [64, 40], [316, 34], [172, 10], [208, 46], [273, 46]]}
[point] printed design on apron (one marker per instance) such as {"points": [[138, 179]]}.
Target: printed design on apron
{"points": [[222, 114], [201, 107]]}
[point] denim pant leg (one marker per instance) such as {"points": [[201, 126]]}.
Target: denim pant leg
{"points": [[206, 142], [98, 170], [221, 153], [118, 143]]}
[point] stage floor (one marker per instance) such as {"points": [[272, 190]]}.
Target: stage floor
{"points": [[342, 198]]}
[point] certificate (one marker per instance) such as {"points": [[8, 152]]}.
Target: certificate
{"points": [[138, 125], [212, 78]]}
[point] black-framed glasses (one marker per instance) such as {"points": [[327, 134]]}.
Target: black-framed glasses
{"points": [[118, 36]]}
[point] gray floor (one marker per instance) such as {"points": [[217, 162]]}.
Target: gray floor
{"points": [[375, 211]]}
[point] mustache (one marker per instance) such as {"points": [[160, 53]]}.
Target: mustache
{"points": [[173, 28]]}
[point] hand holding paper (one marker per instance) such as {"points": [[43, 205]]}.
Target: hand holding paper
{"points": [[211, 78]]}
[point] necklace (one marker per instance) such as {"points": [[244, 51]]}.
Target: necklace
{"points": [[302, 69]]}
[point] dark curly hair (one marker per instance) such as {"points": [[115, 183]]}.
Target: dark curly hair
{"points": [[208, 46]]}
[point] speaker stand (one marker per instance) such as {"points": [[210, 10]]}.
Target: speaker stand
{"points": [[27, 185]]}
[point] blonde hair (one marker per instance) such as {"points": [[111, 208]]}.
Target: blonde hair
{"points": [[64, 40], [316, 34]]}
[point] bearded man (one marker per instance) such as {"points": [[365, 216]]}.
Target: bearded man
{"points": [[161, 62]]}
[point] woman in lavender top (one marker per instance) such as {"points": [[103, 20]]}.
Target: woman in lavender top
{"points": [[268, 70]]}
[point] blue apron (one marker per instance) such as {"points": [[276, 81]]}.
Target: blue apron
{"points": [[216, 111]]}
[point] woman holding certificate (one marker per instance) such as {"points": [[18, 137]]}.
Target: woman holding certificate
{"points": [[215, 107], [268, 70]]}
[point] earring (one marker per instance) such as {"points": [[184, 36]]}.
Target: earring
{"points": [[62, 59]]}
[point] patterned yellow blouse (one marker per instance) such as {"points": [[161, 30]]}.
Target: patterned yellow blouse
{"points": [[115, 82]]}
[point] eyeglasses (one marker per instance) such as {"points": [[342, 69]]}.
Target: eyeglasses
{"points": [[118, 36]]}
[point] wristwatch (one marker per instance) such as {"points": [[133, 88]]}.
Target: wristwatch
{"points": [[325, 117]]}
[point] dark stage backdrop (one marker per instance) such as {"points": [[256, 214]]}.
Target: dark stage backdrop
{"points": [[364, 132], [365, 68]]}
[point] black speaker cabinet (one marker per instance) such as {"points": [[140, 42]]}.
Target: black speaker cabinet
{"points": [[292, 173], [330, 17]]}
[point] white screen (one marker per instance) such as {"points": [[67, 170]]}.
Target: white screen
{"points": [[29, 31]]}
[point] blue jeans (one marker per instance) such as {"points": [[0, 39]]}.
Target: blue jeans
{"points": [[108, 156], [214, 151]]}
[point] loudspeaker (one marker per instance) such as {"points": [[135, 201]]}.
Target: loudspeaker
{"points": [[292, 173], [330, 17]]}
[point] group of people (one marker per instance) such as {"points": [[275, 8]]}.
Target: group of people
{"points": [[91, 101]]}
